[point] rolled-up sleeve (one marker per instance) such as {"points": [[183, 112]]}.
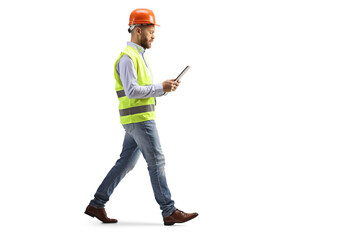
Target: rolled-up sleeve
{"points": [[128, 78]]}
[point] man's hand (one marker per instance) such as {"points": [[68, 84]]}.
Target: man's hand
{"points": [[170, 85]]}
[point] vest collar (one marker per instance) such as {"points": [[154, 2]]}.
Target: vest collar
{"points": [[138, 48]]}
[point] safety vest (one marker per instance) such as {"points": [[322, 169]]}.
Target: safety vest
{"points": [[137, 109]]}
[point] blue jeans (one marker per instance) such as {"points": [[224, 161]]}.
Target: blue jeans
{"points": [[139, 137]]}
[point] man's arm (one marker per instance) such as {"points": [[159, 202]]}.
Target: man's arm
{"points": [[128, 77]]}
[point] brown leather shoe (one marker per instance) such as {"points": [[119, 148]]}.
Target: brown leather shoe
{"points": [[179, 217], [99, 213]]}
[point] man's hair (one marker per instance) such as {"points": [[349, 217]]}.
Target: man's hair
{"points": [[141, 26]]}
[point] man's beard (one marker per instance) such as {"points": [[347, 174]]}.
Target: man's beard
{"points": [[145, 43]]}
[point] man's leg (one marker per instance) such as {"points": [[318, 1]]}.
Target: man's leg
{"points": [[147, 138], [128, 158]]}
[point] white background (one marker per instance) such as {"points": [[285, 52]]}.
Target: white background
{"points": [[262, 137]]}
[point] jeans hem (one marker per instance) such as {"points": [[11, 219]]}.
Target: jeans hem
{"points": [[95, 205], [165, 215]]}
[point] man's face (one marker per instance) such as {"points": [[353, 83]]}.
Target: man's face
{"points": [[147, 36]]}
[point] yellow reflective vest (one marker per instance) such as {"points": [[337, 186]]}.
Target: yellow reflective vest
{"points": [[137, 109]]}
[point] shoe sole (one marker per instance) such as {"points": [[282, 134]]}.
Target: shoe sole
{"points": [[92, 215], [87, 213], [172, 223], [169, 224]]}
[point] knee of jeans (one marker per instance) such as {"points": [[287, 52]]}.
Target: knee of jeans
{"points": [[128, 167], [157, 169], [158, 164]]}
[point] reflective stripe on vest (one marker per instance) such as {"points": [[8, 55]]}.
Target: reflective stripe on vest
{"points": [[120, 93], [138, 109]]}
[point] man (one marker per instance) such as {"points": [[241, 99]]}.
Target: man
{"points": [[136, 93]]}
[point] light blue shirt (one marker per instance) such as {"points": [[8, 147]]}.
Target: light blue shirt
{"points": [[128, 77]]}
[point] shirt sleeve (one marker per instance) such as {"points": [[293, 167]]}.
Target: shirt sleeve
{"points": [[128, 78]]}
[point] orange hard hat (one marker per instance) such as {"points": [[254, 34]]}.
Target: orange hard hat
{"points": [[142, 16]]}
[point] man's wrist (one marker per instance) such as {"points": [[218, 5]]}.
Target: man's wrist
{"points": [[159, 91]]}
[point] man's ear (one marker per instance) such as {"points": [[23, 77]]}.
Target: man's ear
{"points": [[138, 30]]}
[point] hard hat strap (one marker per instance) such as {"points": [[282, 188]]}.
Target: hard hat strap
{"points": [[131, 28]]}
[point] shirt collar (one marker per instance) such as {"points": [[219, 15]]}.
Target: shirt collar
{"points": [[138, 48]]}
